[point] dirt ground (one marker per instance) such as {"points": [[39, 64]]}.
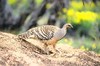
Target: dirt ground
{"points": [[17, 52]]}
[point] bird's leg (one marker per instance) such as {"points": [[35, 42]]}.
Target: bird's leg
{"points": [[46, 49], [52, 49]]}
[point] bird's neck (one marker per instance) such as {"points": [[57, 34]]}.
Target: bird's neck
{"points": [[60, 34]]}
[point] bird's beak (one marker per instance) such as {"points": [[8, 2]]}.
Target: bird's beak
{"points": [[71, 26]]}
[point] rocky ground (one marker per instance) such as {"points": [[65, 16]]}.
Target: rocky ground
{"points": [[17, 52]]}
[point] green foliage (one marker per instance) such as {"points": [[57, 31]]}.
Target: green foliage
{"points": [[78, 17], [83, 43], [78, 5], [12, 2], [38, 2], [19, 6], [86, 20]]}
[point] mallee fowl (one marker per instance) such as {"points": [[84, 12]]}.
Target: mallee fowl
{"points": [[48, 34]]}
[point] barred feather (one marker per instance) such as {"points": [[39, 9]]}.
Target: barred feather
{"points": [[45, 32]]}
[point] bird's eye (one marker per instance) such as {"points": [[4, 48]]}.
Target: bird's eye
{"points": [[69, 25]]}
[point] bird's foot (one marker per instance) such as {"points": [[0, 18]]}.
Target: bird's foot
{"points": [[54, 53]]}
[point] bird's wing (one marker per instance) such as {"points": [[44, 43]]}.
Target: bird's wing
{"points": [[45, 32]]}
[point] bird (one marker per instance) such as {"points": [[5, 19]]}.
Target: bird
{"points": [[48, 34]]}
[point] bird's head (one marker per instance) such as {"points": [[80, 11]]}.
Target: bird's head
{"points": [[68, 25]]}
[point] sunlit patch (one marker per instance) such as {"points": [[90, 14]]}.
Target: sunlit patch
{"points": [[64, 10], [70, 12], [82, 48], [77, 5], [81, 16], [93, 45], [69, 42], [12, 2], [48, 5]]}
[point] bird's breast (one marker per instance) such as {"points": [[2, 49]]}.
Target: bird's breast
{"points": [[60, 34]]}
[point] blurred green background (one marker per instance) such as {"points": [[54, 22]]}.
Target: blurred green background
{"points": [[17, 16]]}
